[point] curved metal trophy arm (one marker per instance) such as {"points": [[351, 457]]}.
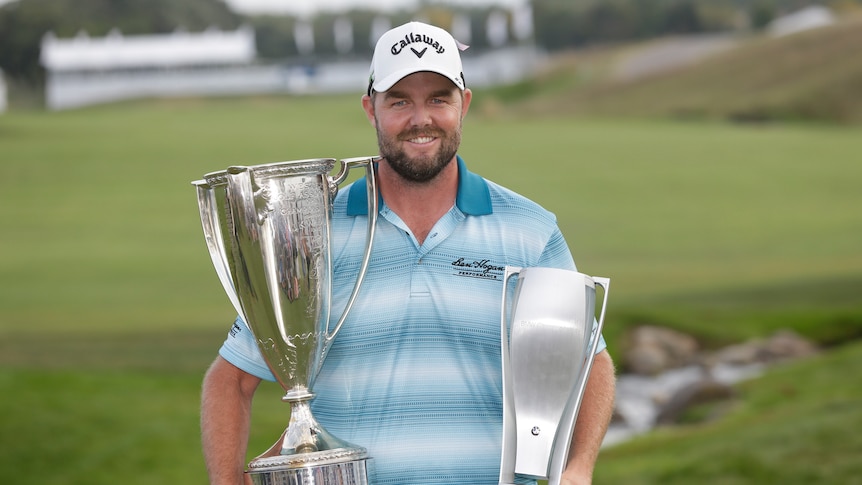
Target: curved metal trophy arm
{"points": [[373, 195], [507, 466], [570, 416], [208, 207], [252, 244]]}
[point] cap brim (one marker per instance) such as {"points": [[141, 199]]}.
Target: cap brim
{"points": [[386, 83]]}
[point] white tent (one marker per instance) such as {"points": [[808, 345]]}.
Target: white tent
{"points": [[178, 49], [85, 70], [808, 18]]}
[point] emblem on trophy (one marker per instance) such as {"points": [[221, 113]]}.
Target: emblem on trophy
{"points": [[548, 340], [267, 231]]}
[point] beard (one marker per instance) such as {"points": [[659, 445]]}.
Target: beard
{"points": [[420, 168]]}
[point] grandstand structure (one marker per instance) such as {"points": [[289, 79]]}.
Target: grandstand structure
{"points": [[85, 70]]}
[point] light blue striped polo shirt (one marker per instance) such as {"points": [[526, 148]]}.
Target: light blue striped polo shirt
{"points": [[414, 375]]}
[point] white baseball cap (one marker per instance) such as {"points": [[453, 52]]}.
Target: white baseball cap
{"points": [[415, 47]]}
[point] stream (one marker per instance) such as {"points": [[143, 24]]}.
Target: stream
{"points": [[639, 398]]}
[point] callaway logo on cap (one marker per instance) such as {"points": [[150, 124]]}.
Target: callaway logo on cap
{"points": [[414, 47]]}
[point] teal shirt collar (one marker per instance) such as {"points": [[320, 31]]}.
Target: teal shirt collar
{"points": [[474, 197]]}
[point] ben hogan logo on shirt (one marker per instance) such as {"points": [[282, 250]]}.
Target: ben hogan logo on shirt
{"points": [[478, 269]]}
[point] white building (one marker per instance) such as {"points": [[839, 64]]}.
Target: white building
{"points": [[84, 70]]}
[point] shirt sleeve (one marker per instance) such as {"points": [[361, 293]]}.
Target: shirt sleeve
{"points": [[240, 349]]}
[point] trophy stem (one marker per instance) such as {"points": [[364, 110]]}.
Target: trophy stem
{"points": [[298, 393], [302, 433], [307, 454]]}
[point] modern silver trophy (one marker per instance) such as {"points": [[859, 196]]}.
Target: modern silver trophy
{"points": [[549, 339], [267, 231]]}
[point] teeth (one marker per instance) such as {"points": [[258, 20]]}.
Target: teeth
{"points": [[423, 139]]}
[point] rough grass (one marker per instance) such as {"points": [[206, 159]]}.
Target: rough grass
{"points": [[813, 75]]}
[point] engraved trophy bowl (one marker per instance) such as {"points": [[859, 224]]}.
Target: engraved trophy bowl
{"points": [[549, 339], [267, 232]]}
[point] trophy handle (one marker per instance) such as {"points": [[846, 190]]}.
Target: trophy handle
{"points": [[570, 415], [373, 195], [215, 240], [507, 465]]}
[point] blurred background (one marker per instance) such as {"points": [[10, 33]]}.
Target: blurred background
{"points": [[706, 155]]}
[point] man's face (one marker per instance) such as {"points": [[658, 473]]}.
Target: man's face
{"points": [[418, 123]]}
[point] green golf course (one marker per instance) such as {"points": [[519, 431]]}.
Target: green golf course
{"points": [[112, 311]]}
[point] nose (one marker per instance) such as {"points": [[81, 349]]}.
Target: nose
{"points": [[420, 115]]}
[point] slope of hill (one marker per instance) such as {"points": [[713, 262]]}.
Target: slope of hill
{"points": [[814, 75]]}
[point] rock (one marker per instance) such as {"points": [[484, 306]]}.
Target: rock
{"points": [[781, 346], [700, 392], [745, 353], [652, 350], [646, 360], [786, 344]]}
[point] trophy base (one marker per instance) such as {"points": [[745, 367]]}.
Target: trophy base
{"points": [[333, 467]]}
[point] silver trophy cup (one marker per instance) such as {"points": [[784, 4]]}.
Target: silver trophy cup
{"points": [[549, 340], [267, 231]]}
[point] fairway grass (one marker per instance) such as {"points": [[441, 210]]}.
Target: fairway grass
{"points": [[99, 427], [112, 311], [101, 230]]}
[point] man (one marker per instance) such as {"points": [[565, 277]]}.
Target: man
{"points": [[414, 374]]}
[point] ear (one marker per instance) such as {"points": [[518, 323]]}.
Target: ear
{"points": [[368, 107], [468, 96]]}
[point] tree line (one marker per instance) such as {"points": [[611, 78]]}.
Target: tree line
{"points": [[558, 24]]}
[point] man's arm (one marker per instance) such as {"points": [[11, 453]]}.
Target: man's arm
{"points": [[593, 419], [225, 421]]}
